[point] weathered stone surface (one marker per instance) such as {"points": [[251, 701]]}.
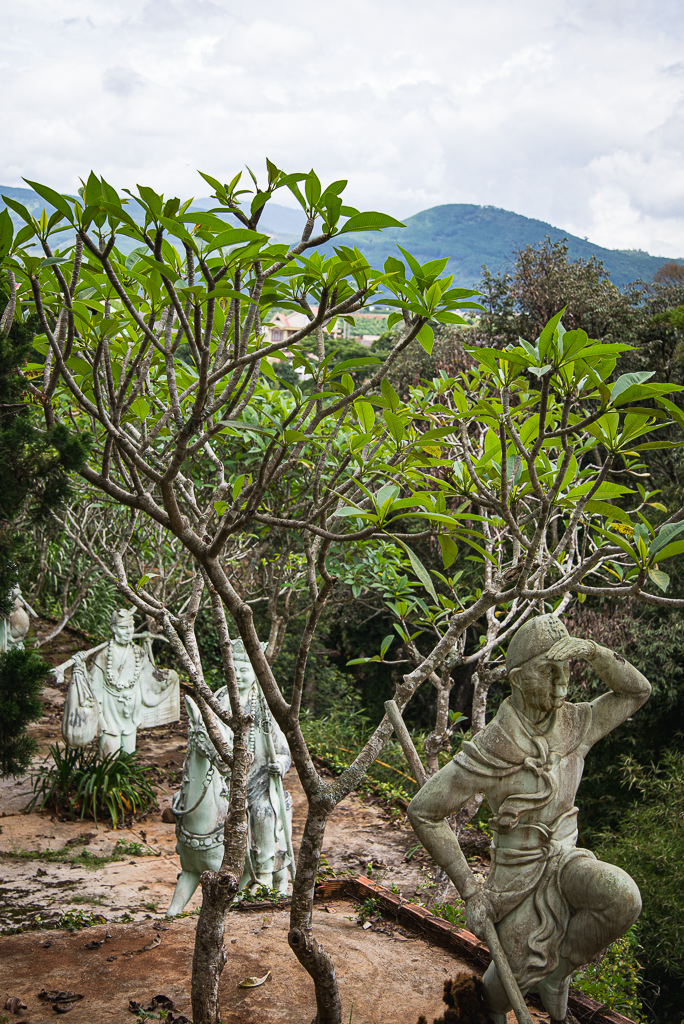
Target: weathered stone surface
{"points": [[555, 906]]}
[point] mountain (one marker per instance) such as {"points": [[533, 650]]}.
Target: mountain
{"points": [[470, 235], [473, 235]]}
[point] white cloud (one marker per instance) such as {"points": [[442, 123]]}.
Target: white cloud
{"points": [[566, 110]]}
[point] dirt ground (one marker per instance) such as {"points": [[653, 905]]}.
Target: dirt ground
{"points": [[387, 975]]}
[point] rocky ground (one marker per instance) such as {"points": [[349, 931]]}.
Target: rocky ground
{"points": [[57, 875]]}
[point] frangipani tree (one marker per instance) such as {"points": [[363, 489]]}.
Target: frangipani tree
{"points": [[539, 483], [159, 355]]}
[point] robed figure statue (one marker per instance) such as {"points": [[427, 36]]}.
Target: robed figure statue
{"points": [[111, 691]]}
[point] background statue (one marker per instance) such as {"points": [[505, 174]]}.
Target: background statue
{"points": [[14, 629], [112, 688], [555, 906], [201, 804]]}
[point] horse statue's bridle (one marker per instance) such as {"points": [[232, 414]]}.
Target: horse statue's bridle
{"points": [[200, 743]]}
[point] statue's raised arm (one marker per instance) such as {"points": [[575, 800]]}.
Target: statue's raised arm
{"points": [[628, 688], [555, 906]]}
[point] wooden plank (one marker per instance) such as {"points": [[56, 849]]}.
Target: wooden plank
{"points": [[460, 941]]}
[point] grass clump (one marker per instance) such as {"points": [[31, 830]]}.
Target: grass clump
{"points": [[75, 920], [83, 859], [82, 783]]}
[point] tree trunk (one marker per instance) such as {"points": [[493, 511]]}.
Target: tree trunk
{"points": [[435, 742], [304, 945], [209, 959], [481, 681]]}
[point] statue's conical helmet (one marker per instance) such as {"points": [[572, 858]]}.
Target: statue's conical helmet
{"points": [[535, 637]]}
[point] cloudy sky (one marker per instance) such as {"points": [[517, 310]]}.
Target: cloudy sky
{"points": [[571, 111]]}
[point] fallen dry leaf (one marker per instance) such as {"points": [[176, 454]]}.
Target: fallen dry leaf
{"points": [[14, 1004], [161, 1002], [253, 982], [54, 995]]}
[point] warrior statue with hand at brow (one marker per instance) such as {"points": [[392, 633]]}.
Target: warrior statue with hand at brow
{"points": [[555, 906]]}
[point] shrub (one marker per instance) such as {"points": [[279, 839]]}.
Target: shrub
{"points": [[650, 846], [21, 679], [82, 781], [615, 979]]}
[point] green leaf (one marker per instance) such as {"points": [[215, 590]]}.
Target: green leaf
{"points": [[389, 394], [268, 370], [604, 508], [546, 336], [386, 643], [151, 198], [236, 236], [653, 445], [387, 492], [660, 578], [145, 579], [294, 435], [419, 569], [237, 486], [449, 549], [370, 221], [627, 380], [365, 414], [220, 507], [426, 337], [350, 364], [412, 261], [665, 536], [395, 425], [140, 408], [214, 182], [23, 235], [615, 538], [18, 208], [7, 233], [348, 510], [54, 198], [671, 549]]}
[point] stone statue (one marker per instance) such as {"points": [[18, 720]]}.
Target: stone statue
{"points": [[112, 693], [14, 629], [201, 804], [555, 906]]}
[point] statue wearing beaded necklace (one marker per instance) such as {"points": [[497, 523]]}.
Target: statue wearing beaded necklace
{"points": [[124, 681]]}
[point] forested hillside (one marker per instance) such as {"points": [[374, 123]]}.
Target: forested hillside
{"points": [[477, 235]]}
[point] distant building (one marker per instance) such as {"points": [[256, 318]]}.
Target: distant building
{"points": [[283, 326]]}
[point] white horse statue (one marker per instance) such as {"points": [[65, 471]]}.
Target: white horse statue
{"points": [[200, 807]]}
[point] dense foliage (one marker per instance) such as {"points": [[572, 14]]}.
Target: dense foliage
{"points": [[22, 674], [649, 844]]}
